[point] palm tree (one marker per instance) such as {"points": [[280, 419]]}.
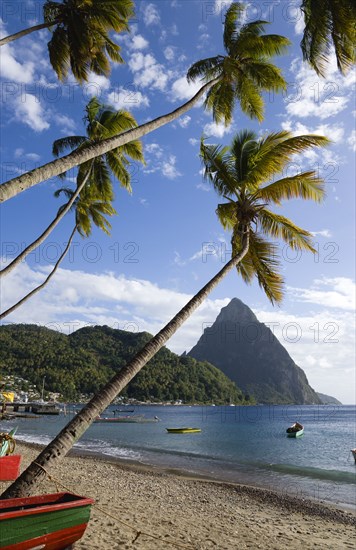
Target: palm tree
{"points": [[80, 39], [102, 121], [238, 173], [329, 23], [243, 74], [90, 207]]}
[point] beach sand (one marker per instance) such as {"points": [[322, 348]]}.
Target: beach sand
{"points": [[191, 513]]}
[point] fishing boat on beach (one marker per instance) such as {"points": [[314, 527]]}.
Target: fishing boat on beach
{"points": [[354, 454], [295, 430], [183, 430], [46, 522]]}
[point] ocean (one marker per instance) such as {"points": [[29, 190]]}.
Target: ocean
{"points": [[237, 444]]}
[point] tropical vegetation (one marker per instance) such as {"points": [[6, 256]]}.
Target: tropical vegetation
{"points": [[80, 35], [242, 75], [81, 363], [93, 197]]}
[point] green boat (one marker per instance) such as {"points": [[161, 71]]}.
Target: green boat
{"points": [[183, 430], [46, 522], [296, 430]]}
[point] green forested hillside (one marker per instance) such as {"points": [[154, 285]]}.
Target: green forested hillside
{"points": [[83, 361]]}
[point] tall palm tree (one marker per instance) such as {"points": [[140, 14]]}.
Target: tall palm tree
{"points": [[242, 74], [329, 24], [90, 207], [238, 173], [102, 121], [80, 35]]}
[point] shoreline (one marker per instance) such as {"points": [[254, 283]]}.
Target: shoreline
{"points": [[136, 465], [189, 512]]}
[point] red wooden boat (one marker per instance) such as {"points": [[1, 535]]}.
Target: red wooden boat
{"points": [[9, 467], [46, 522]]}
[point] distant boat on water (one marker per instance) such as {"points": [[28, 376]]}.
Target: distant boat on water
{"points": [[354, 454], [295, 430], [133, 419], [183, 430]]}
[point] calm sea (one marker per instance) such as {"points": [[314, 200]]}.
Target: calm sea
{"points": [[240, 444]]}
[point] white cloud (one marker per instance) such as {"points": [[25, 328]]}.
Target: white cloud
{"points": [[184, 121], [66, 124], [96, 85], [151, 15], [351, 140], [322, 233], [138, 42], [168, 53], [311, 95], [216, 130], [335, 132], [29, 111], [169, 169], [148, 73], [193, 141], [298, 17], [13, 70], [128, 99], [337, 292], [182, 89]]}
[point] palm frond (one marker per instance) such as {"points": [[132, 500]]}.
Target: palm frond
{"points": [[218, 168], [206, 69], [329, 24], [63, 144], [306, 185], [276, 151], [233, 13], [280, 227]]}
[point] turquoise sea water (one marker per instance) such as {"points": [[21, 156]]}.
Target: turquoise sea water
{"points": [[239, 444]]}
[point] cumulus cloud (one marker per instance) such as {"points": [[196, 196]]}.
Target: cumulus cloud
{"points": [[184, 121], [182, 89], [151, 15], [148, 72], [216, 130], [128, 99], [30, 111], [311, 95]]}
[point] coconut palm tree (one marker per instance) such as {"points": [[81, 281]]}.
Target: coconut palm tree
{"points": [[239, 173], [329, 24], [242, 74], [80, 35], [90, 207], [102, 121]]}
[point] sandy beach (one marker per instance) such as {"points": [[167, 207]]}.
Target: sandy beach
{"points": [[182, 512]]}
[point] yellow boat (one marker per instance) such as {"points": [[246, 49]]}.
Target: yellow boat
{"points": [[183, 430]]}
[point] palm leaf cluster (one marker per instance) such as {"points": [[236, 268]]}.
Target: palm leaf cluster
{"points": [[329, 24], [244, 174], [80, 39], [95, 199], [245, 71]]}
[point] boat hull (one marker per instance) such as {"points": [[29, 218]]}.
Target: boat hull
{"points": [[296, 434], [354, 454], [9, 467], [183, 430], [47, 522]]}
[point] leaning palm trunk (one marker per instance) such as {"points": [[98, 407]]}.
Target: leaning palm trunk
{"points": [[16, 261], [65, 440], [24, 32], [38, 288], [16, 185]]}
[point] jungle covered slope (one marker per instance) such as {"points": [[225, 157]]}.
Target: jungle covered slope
{"points": [[82, 362]]}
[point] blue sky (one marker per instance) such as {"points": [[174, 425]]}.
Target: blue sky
{"points": [[166, 241]]}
